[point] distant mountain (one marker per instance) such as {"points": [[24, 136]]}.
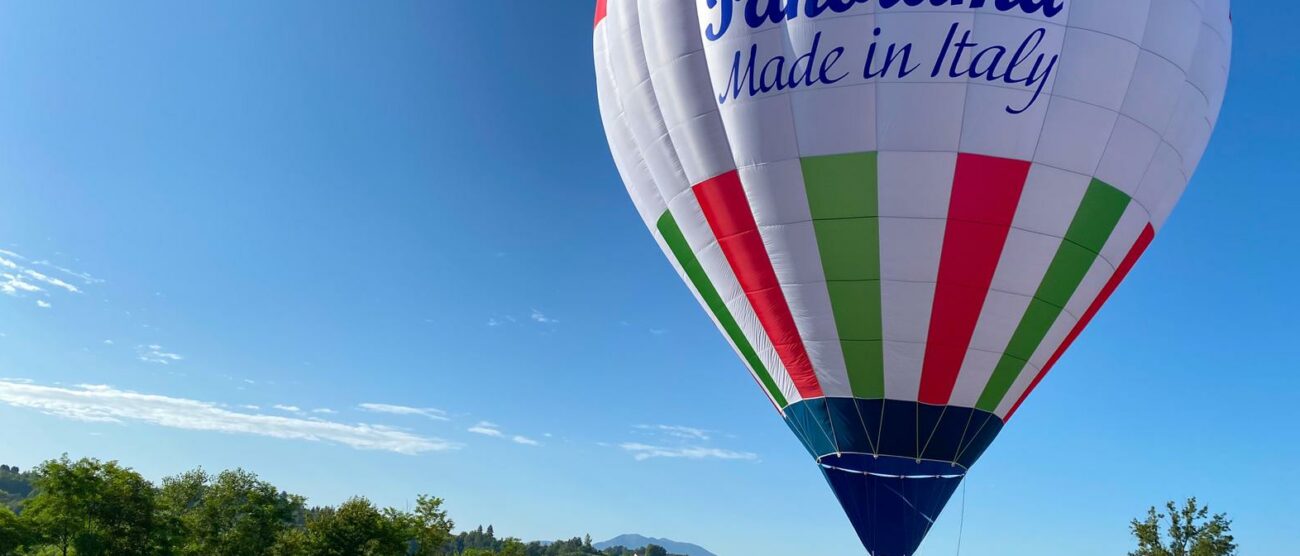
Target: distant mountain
{"points": [[639, 541]]}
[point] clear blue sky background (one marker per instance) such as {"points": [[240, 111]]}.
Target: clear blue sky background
{"points": [[325, 204]]}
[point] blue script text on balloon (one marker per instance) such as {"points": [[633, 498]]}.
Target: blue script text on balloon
{"points": [[759, 12], [774, 76], [991, 63], [959, 58]]}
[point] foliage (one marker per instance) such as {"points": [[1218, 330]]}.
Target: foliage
{"points": [[89, 507], [430, 526], [93, 507], [1191, 531], [233, 514], [14, 532], [15, 486], [357, 528]]}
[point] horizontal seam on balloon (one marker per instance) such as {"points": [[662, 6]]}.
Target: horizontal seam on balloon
{"points": [[1117, 111], [969, 221], [901, 281], [887, 399], [958, 152], [1136, 201]]}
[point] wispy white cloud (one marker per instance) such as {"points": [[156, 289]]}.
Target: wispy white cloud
{"points": [[429, 412], [21, 279], [324, 411], [14, 284], [680, 442], [155, 353], [106, 404], [501, 320], [487, 429], [642, 452], [43, 304], [288, 408], [83, 276], [40, 277], [108, 342], [540, 317], [518, 439], [677, 431]]}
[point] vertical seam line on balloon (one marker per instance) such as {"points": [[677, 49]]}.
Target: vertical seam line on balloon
{"points": [[691, 266], [842, 192], [725, 207], [986, 191], [1093, 223], [1134, 253]]}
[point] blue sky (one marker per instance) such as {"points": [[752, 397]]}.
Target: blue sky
{"points": [[346, 210]]}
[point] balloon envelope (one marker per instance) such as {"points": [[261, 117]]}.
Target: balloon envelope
{"points": [[901, 213]]}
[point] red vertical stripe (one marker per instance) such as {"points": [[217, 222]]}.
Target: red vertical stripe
{"points": [[601, 10], [723, 201], [985, 193], [1125, 266]]}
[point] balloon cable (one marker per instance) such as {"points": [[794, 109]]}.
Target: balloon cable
{"points": [[961, 528]]}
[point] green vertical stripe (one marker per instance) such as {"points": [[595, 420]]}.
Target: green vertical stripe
{"points": [[1092, 225], [843, 201], [672, 235]]}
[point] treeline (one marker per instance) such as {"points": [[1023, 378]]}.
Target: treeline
{"points": [[89, 507]]}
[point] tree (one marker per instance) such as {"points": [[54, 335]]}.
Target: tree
{"points": [[1191, 531], [14, 532], [513, 547], [431, 526], [355, 528], [290, 542], [655, 550], [92, 507], [235, 514], [176, 501]]}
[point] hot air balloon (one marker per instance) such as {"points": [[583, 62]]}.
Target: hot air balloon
{"points": [[900, 213]]}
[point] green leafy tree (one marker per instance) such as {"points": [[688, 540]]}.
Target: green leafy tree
{"points": [[177, 500], [356, 528], [1191, 531], [513, 547], [233, 514], [14, 532], [430, 526], [290, 542], [655, 550], [92, 507]]}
